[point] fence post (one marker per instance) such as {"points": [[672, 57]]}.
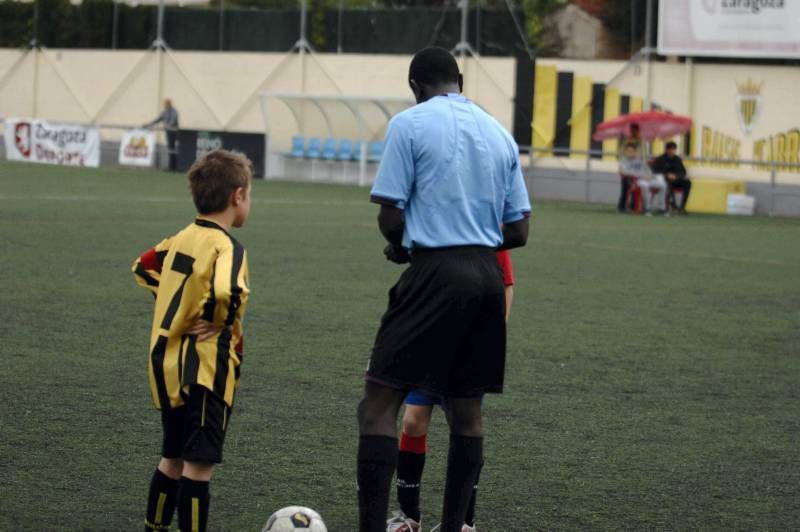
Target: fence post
{"points": [[587, 174], [772, 189]]}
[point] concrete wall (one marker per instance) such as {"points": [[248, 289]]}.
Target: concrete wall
{"points": [[710, 95], [213, 90], [601, 184]]}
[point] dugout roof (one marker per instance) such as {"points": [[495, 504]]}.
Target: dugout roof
{"points": [[337, 115]]}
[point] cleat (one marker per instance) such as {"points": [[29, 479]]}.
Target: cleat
{"points": [[400, 522], [464, 528]]}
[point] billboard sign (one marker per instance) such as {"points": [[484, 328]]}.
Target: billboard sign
{"points": [[39, 141], [137, 148], [729, 28], [192, 144]]}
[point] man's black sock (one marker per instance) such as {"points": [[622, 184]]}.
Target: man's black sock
{"points": [[470, 518], [193, 502], [377, 459], [464, 461], [161, 502]]}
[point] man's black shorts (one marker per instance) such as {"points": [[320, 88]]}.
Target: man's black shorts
{"points": [[444, 331], [195, 432]]}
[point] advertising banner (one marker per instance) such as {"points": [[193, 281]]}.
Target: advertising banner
{"points": [[729, 28], [137, 148], [39, 141], [193, 144]]}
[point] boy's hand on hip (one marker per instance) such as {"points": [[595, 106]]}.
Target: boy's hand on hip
{"points": [[204, 329]]}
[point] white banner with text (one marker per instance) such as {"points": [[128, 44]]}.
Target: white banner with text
{"points": [[39, 141], [729, 28]]}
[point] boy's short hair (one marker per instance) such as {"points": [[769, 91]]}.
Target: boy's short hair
{"points": [[671, 146], [631, 145], [214, 176]]}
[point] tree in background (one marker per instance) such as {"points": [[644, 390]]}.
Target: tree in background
{"points": [[626, 21]]}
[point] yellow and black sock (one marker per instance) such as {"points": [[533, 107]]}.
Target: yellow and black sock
{"points": [[160, 502], [193, 502]]}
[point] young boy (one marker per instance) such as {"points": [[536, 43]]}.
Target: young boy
{"points": [[413, 442], [200, 280]]}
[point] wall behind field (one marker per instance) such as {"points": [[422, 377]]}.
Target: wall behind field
{"points": [[715, 96], [214, 90]]}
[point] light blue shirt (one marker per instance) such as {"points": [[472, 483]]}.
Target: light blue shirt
{"points": [[455, 172]]}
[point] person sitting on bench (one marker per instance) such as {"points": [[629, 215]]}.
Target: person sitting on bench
{"points": [[635, 171], [670, 165]]}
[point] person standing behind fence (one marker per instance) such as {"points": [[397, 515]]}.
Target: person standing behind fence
{"points": [[170, 118]]}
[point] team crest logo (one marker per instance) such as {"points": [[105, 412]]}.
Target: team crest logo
{"points": [[748, 104], [22, 138]]}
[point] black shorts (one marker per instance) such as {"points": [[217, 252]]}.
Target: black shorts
{"points": [[444, 331], [195, 432]]}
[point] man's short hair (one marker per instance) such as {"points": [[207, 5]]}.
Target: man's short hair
{"points": [[631, 145], [671, 146], [214, 176], [433, 66]]}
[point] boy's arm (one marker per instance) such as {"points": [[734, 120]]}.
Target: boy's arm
{"points": [[230, 286], [504, 261], [147, 267], [228, 294]]}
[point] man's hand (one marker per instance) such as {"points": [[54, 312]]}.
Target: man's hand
{"points": [[204, 329], [396, 254]]}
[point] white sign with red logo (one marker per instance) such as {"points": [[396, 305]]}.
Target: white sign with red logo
{"points": [[729, 28], [38, 141], [137, 148]]}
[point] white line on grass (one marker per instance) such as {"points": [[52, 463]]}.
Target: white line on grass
{"points": [[152, 199]]}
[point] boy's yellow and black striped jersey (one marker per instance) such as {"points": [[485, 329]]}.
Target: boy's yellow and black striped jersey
{"points": [[200, 273]]}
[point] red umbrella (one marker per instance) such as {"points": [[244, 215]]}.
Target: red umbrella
{"points": [[652, 124]]}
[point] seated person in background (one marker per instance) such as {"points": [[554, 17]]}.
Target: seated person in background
{"points": [[635, 138], [633, 168], [670, 165]]}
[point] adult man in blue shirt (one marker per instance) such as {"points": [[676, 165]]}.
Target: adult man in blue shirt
{"points": [[451, 193]]}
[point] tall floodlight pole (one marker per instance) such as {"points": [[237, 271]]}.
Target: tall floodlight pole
{"points": [[648, 36], [339, 28], [463, 48], [221, 24], [114, 24], [159, 42], [35, 39], [302, 44]]}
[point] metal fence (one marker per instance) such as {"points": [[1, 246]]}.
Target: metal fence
{"points": [[591, 173], [110, 135]]}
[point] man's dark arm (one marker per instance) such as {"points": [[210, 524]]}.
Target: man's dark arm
{"points": [[681, 169], [392, 224], [515, 234], [158, 119]]}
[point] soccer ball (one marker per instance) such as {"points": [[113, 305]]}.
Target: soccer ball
{"points": [[295, 518]]}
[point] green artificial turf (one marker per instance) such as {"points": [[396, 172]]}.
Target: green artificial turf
{"points": [[652, 378]]}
